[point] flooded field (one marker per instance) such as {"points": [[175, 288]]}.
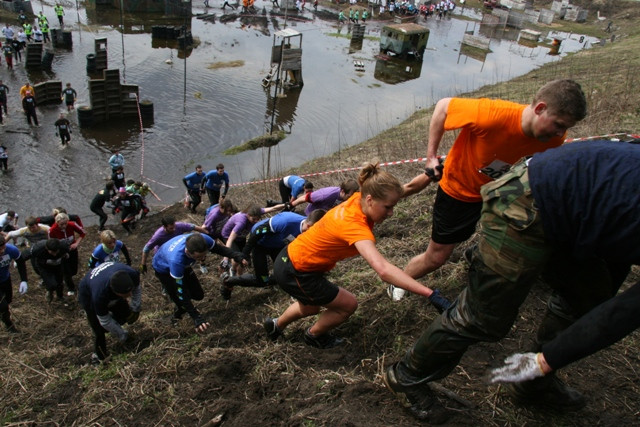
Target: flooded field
{"points": [[202, 107]]}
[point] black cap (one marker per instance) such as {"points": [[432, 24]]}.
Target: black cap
{"points": [[121, 282]]}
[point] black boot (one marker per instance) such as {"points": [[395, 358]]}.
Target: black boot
{"points": [[547, 391]]}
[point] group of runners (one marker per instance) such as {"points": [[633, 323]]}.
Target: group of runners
{"points": [[565, 214]]}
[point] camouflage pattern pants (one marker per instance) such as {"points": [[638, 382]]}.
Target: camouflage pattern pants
{"points": [[511, 254]]}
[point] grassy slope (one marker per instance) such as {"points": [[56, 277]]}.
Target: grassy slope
{"points": [[173, 377]]}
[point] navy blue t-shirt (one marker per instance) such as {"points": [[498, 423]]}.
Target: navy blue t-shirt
{"points": [[588, 194], [94, 291]]}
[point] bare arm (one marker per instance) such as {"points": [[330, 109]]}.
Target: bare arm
{"points": [[389, 272], [436, 130], [416, 185]]}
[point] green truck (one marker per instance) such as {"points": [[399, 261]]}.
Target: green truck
{"points": [[403, 40]]}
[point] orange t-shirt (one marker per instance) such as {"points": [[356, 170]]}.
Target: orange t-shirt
{"points": [[491, 135], [332, 238]]}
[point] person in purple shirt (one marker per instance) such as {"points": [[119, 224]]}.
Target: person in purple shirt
{"points": [[217, 217], [234, 232], [173, 267], [170, 228], [327, 197]]}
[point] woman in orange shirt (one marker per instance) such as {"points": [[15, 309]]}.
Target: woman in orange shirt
{"points": [[345, 231]]}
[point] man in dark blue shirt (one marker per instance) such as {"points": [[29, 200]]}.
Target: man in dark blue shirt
{"points": [[571, 214], [103, 294], [213, 181], [193, 182]]}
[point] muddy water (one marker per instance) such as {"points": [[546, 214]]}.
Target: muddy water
{"points": [[197, 118]]}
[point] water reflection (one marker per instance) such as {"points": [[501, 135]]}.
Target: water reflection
{"points": [[200, 116]]}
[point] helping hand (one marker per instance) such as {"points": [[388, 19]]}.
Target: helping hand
{"points": [[518, 367]]}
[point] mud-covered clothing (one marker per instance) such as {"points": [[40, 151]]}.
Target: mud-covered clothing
{"points": [[69, 265], [267, 239], [215, 221], [118, 179], [490, 139], [4, 91], [161, 236], [584, 265], [213, 182], [603, 326], [172, 267], [97, 204], [324, 198], [63, 127], [29, 107], [291, 186], [70, 96], [107, 311], [102, 254], [50, 267]]}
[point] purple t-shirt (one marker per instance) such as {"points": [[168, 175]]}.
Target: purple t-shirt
{"points": [[324, 198], [161, 236], [212, 220], [239, 223]]}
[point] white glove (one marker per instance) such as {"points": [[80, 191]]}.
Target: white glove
{"points": [[518, 367], [23, 287]]}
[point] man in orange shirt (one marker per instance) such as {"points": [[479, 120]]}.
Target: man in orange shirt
{"points": [[345, 231], [494, 134]]}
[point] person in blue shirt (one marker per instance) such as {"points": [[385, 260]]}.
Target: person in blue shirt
{"points": [[213, 181], [292, 186], [103, 294], [109, 250], [173, 267], [267, 239], [116, 160], [193, 182], [9, 254]]}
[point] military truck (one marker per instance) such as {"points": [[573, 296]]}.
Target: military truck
{"points": [[403, 40]]}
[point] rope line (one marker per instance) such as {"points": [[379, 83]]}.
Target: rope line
{"points": [[419, 159]]}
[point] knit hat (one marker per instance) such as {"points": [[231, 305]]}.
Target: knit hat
{"points": [[121, 282]]}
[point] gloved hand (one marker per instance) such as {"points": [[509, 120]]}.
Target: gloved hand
{"points": [[431, 173], [142, 269], [23, 288], [133, 316], [200, 324], [518, 367], [124, 336], [440, 302], [288, 207]]}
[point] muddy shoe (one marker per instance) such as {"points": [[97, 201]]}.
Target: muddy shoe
{"points": [[95, 360], [547, 391], [322, 341], [225, 290], [419, 400], [271, 327]]}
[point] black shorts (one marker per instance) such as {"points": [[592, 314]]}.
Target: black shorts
{"points": [[454, 221], [307, 288]]}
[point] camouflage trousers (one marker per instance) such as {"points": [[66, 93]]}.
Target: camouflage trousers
{"points": [[511, 254]]}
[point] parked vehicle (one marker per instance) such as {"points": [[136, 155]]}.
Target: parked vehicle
{"points": [[403, 40]]}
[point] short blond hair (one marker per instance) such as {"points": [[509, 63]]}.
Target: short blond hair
{"points": [[107, 236]]}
